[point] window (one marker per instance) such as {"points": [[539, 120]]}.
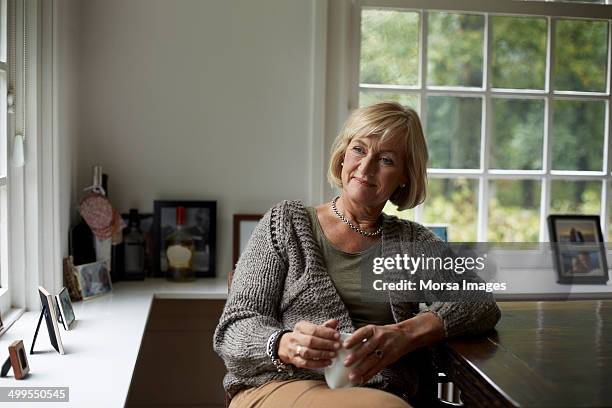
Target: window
{"points": [[4, 132], [515, 108]]}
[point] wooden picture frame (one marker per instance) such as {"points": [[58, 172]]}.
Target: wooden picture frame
{"points": [[579, 253], [201, 217], [244, 224], [94, 279], [19, 359]]}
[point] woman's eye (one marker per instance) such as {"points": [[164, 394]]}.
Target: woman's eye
{"points": [[358, 149], [386, 161]]}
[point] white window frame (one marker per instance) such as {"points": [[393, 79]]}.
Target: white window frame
{"points": [[4, 177], [34, 254], [549, 10]]}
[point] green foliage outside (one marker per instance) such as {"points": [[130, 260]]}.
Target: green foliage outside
{"points": [[369, 98], [517, 137], [453, 132], [389, 55], [578, 136], [390, 45], [518, 61], [514, 217], [581, 55], [455, 49], [453, 202]]}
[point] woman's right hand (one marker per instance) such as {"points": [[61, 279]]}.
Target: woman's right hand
{"points": [[310, 345]]}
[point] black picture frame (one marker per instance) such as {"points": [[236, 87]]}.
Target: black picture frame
{"points": [[49, 311], [579, 253], [164, 218]]}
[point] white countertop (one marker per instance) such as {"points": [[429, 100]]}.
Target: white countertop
{"points": [[102, 347]]}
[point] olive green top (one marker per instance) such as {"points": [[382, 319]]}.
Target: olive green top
{"points": [[345, 271]]}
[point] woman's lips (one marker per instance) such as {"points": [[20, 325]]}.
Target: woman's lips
{"points": [[363, 182]]}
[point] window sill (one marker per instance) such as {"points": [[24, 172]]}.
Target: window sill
{"points": [[10, 318]]}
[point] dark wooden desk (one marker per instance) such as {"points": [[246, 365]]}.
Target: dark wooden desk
{"points": [[554, 354]]}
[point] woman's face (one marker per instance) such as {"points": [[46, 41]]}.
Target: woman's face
{"points": [[373, 171]]}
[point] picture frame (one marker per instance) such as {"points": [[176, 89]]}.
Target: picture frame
{"points": [[47, 302], [94, 279], [64, 308], [18, 360], [441, 230], [243, 227], [579, 254], [201, 220], [147, 221]]}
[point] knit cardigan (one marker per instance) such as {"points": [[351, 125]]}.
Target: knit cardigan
{"points": [[281, 278]]}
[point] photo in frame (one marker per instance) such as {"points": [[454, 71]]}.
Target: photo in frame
{"points": [[49, 307], [200, 222], [244, 224], [64, 309], [94, 279], [579, 253], [441, 230], [17, 360]]}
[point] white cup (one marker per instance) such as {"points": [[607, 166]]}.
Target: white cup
{"points": [[336, 374]]}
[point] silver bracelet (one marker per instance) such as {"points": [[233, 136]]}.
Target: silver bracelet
{"points": [[272, 351]]}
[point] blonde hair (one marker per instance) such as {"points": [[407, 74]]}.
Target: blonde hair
{"points": [[387, 121]]}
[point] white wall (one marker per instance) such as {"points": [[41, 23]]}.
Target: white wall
{"points": [[66, 49], [200, 99]]}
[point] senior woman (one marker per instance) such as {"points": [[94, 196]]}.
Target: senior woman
{"points": [[298, 283]]}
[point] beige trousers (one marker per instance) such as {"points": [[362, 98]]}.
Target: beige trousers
{"points": [[313, 394]]}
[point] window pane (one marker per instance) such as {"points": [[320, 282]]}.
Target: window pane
{"points": [[610, 218], [578, 138], [453, 132], [3, 30], [391, 209], [454, 49], [517, 135], [453, 202], [518, 52], [367, 98], [514, 211], [389, 47], [581, 55], [575, 197]]}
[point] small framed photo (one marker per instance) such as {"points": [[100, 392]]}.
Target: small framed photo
{"points": [[441, 230], [19, 360], [64, 308], [200, 222], [94, 279], [244, 224], [47, 302], [579, 253]]}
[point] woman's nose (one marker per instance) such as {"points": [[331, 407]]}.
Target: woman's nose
{"points": [[367, 167]]}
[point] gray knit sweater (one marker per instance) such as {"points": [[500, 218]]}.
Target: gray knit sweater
{"points": [[281, 279]]}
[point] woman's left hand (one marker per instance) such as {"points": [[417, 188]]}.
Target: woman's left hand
{"points": [[375, 347]]}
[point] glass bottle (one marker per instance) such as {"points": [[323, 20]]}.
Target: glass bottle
{"points": [[179, 251], [134, 248]]}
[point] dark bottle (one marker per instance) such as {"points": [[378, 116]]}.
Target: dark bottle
{"points": [[134, 255]]}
